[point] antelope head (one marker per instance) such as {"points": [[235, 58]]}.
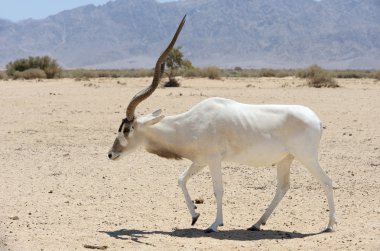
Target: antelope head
{"points": [[129, 133]]}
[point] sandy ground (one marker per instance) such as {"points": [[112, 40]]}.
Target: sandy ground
{"points": [[58, 190]]}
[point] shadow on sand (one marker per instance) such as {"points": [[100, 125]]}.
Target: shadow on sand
{"points": [[238, 235]]}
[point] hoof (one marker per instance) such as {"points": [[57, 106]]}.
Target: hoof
{"points": [[195, 219], [209, 230], [328, 230], [253, 228]]}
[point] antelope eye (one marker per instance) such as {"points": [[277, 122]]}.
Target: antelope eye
{"points": [[126, 130]]}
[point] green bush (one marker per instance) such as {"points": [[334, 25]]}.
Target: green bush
{"points": [[317, 77], [48, 65], [30, 74], [175, 63]]}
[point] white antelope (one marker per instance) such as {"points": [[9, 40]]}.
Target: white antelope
{"points": [[217, 130]]}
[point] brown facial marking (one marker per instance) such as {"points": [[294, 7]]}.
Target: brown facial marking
{"points": [[117, 147]]}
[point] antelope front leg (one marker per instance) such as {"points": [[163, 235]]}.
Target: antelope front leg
{"points": [[194, 168], [216, 174]]}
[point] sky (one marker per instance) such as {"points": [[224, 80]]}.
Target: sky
{"points": [[17, 10]]}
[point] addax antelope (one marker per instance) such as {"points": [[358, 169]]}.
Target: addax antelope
{"points": [[219, 129]]}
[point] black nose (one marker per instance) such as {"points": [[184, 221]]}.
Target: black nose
{"points": [[110, 155]]}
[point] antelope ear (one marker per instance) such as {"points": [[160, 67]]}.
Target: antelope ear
{"points": [[151, 119]]}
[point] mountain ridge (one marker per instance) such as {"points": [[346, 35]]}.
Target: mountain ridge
{"points": [[247, 33]]}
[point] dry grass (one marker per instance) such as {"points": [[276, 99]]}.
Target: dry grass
{"points": [[3, 75], [30, 74], [211, 72], [318, 77], [375, 75], [217, 73]]}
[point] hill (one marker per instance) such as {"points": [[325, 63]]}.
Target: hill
{"points": [[246, 33]]}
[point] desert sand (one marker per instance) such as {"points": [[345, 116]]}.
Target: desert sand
{"points": [[59, 191]]}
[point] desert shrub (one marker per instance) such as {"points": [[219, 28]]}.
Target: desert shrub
{"points": [[322, 80], [48, 65], [3, 75], [30, 74], [308, 72], [317, 77], [211, 72], [375, 75], [173, 82]]}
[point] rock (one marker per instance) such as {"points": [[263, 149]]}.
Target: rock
{"points": [[199, 201]]}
